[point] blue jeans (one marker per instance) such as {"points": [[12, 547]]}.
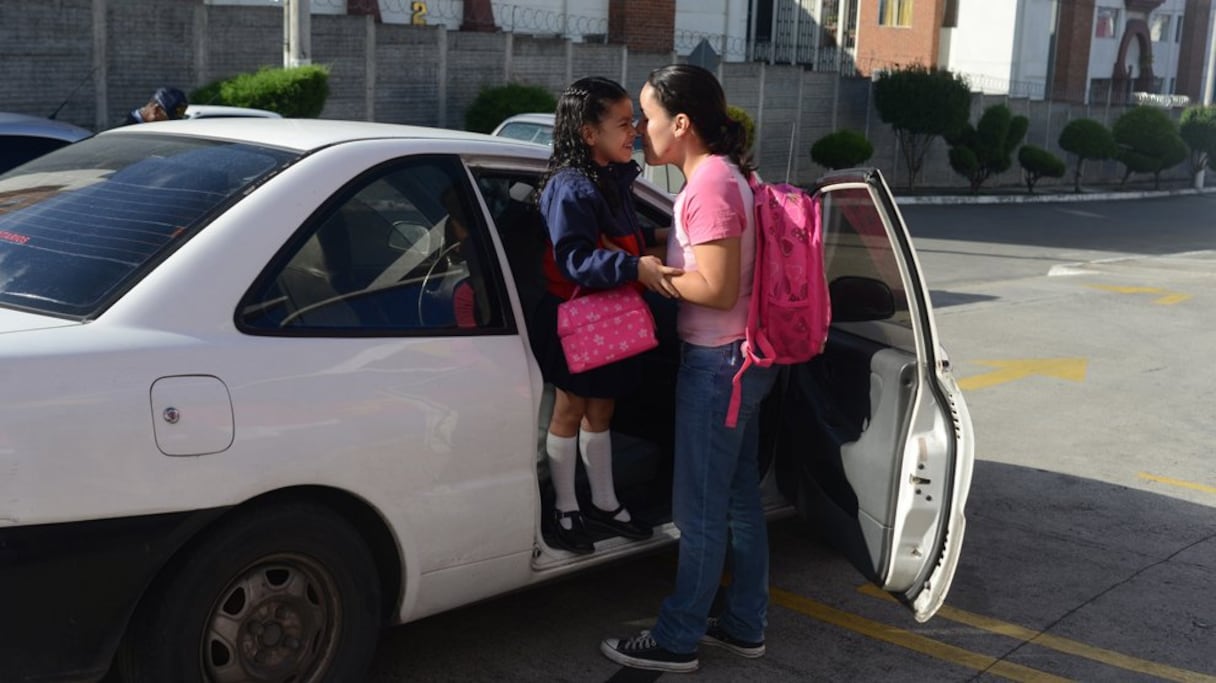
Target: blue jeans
{"points": [[716, 500]]}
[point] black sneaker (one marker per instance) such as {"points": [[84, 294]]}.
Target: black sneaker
{"points": [[599, 520], [716, 636], [641, 652], [574, 539]]}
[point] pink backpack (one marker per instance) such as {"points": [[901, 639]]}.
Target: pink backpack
{"points": [[789, 315]]}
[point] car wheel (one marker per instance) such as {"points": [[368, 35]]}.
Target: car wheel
{"points": [[289, 593]]}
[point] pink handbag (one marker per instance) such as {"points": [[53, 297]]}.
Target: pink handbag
{"points": [[604, 327]]}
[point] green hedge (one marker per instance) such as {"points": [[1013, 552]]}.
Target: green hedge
{"points": [[740, 114], [1038, 163], [842, 149], [296, 92], [492, 105]]}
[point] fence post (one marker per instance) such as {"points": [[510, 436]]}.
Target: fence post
{"points": [[791, 163], [760, 115], [369, 77], [101, 78], [441, 74], [624, 66], [569, 60], [508, 58], [200, 45]]}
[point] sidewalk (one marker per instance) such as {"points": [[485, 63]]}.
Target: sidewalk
{"points": [[1056, 194]]}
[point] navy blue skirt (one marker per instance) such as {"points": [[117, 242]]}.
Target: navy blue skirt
{"points": [[617, 380]]}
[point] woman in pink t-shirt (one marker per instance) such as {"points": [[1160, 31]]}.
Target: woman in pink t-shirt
{"points": [[716, 489]]}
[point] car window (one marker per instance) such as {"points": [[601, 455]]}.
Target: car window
{"points": [[18, 149], [402, 251], [528, 132], [81, 225], [856, 245]]}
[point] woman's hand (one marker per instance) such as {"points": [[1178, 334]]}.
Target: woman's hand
{"points": [[656, 276]]}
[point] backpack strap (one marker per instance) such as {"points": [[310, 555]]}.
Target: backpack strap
{"points": [[751, 340]]}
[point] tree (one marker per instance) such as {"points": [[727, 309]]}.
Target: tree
{"points": [[740, 114], [980, 152], [1148, 142], [842, 149], [1198, 131], [1038, 163], [492, 105], [1087, 139], [921, 104]]}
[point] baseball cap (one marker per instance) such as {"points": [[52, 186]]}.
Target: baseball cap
{"points": [[172, 100]]}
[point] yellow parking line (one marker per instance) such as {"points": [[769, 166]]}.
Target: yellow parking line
{"points": [[909, 640], [1178, 482], [1070, 647]]}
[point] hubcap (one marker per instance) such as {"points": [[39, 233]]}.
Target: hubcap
{"points": [[277, 622]]}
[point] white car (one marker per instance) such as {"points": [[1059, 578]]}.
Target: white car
{"points": [[221, 111], [538, 129], [248, 417]]}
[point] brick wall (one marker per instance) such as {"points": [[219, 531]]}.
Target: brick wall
{"points": [[643, 25], [879, 47]]}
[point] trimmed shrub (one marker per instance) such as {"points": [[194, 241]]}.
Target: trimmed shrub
{"points": [[980, 152], [1148, 142], [740, 114], [1038, 163], [492, 105], [842, 149], [921, 104], [295, 92], [1198, 131], [1087, 139]]}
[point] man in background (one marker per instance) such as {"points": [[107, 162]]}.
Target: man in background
{"points": [[164, 105]]}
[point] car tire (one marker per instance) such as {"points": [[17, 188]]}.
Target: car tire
{"points": [[289, 592]]}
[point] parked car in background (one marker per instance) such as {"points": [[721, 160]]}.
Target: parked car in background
{"points": [[538, 129], [24, 137], [218, 111], [268, 387]]}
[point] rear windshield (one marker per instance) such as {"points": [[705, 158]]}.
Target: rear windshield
{"points": [[81, 225]]}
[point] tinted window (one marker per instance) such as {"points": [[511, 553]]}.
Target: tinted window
{"points": [[528, 132], [856, 245], [18, 149], [402, 251], [81, 225]]}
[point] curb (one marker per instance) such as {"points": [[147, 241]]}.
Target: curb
{"points": [[942, 200]]}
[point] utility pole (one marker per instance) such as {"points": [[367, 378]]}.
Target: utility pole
{"points": [[297, 32]]}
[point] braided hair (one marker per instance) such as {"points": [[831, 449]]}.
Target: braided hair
{"points": [[585, 102], [695, 92]]}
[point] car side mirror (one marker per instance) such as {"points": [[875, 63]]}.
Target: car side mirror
{"points": [[858, 299]]}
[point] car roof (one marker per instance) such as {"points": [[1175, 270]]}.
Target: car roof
{"points": [[41, 127], [541, 118], [306, 134], [202, 111]]}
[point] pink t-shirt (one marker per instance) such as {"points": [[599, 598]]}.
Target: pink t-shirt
{"points": [[716, 203]]}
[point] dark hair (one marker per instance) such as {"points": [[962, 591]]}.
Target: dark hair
{"points": [[695, 92], [584, 102]]}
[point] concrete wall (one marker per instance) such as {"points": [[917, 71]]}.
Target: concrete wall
{"points": [[428, 75]]}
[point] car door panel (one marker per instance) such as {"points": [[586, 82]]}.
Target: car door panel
{"points": [[872, 443]]}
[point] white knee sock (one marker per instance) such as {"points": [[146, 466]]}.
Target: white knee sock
{"points": [[596, 449], [563, 454]]}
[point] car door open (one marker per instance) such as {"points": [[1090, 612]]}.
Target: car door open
{"points": [[874, 445]]}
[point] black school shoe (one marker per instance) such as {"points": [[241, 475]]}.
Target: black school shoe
{"points": [[642, 652], [716, 636], [574, 539], [606, 522]]}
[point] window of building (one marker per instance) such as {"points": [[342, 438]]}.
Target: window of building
{"points": [[895, 12], [1159, 27], [1107, 22], [1178, 29]]}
